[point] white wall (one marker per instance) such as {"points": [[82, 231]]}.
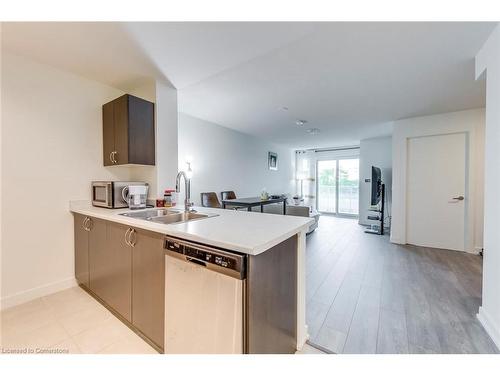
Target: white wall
{"points": [[488, 61], [166, 136], [224, 159], [374, 152], [471, 122], [51, 150], [1, 173]]}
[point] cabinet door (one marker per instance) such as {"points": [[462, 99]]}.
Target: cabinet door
{"points": [[81, 251], [117, 270], [121, 137], [108, 133], [148, 287], [141, 131], [97, 257]]}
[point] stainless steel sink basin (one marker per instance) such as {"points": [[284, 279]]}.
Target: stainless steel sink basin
{"points": [[146, 214], [179, 217], [167, 215]]}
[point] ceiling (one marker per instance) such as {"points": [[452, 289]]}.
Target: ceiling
{"points": [[350, 80]]}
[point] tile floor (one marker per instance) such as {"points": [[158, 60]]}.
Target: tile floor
{"points": [[70, 321]]}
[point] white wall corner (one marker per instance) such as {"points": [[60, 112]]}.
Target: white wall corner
{"points": [[1, 172], [166, 135], [396, 240], [487, 60], [483, 56], [489, 326]]}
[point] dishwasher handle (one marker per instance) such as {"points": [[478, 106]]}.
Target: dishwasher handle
{"points": [[196, 261]]}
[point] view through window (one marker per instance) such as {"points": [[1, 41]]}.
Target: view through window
{"points": [[338, 186]]}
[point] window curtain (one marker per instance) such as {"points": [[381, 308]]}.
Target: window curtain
{"points": [[306, 176]]}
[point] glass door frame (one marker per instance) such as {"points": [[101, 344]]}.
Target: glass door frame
{"points": [[337, 187]]}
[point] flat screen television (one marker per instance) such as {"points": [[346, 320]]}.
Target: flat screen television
{"points": [[376, 185]]}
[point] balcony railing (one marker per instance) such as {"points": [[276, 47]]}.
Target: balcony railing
{"points": [[348, 199]]}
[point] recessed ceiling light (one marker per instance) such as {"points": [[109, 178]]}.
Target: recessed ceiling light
{"points": [[301, 122], [313, 131]]}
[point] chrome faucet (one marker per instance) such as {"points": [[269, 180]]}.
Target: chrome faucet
{"points": [[187, 183]]}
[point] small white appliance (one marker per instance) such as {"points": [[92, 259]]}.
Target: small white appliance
{"points": [[135, 196]]}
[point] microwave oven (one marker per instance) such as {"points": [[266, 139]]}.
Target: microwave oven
{"points": [[109, 193]]}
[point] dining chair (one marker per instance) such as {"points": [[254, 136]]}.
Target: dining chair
{"points": [[210, 200], [230, 195], [227, 195]]}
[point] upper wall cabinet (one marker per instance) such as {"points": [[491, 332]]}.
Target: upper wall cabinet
{"points": [[128, 131]]}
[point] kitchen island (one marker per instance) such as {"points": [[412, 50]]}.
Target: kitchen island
{"points": [[266, 240]]}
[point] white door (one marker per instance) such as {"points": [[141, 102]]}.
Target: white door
{"points": [[436, 188]]}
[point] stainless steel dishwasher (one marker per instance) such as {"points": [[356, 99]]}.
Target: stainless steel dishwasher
{"points": [[204, 299]]}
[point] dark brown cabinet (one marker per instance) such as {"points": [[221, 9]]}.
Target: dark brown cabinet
{"points": [[97, 254], [125, 268], [128, 131], [82, 249], [111, 268], [148, 284]]}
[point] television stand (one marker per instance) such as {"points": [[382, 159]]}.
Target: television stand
{"points": [[380, 217]]}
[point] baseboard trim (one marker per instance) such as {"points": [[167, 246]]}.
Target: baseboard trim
{"points": [[319, 347], [34, 293], [301, 341], [489, 326], [398, 241]]}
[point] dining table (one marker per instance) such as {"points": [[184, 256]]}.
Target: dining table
{"points": [[254, 202]]}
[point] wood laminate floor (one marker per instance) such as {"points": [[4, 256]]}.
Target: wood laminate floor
{"points": [[366, 295]]}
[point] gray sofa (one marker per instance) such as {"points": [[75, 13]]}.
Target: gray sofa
{"points": [[294, 211]]}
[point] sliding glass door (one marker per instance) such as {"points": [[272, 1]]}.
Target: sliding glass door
{"points": [[327, 186], [338, 186]]}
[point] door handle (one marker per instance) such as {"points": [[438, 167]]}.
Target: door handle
{"points": [[459, 198]]}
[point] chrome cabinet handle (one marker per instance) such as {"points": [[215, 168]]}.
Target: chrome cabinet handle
{"points": [[112, 157], [133, 232], [126, 237], [90, 224], [85, 221]]}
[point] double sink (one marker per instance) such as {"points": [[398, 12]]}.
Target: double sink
{"points": [[167, 215]]}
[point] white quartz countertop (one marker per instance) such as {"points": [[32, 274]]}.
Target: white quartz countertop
{"points": [[246, 232]]}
